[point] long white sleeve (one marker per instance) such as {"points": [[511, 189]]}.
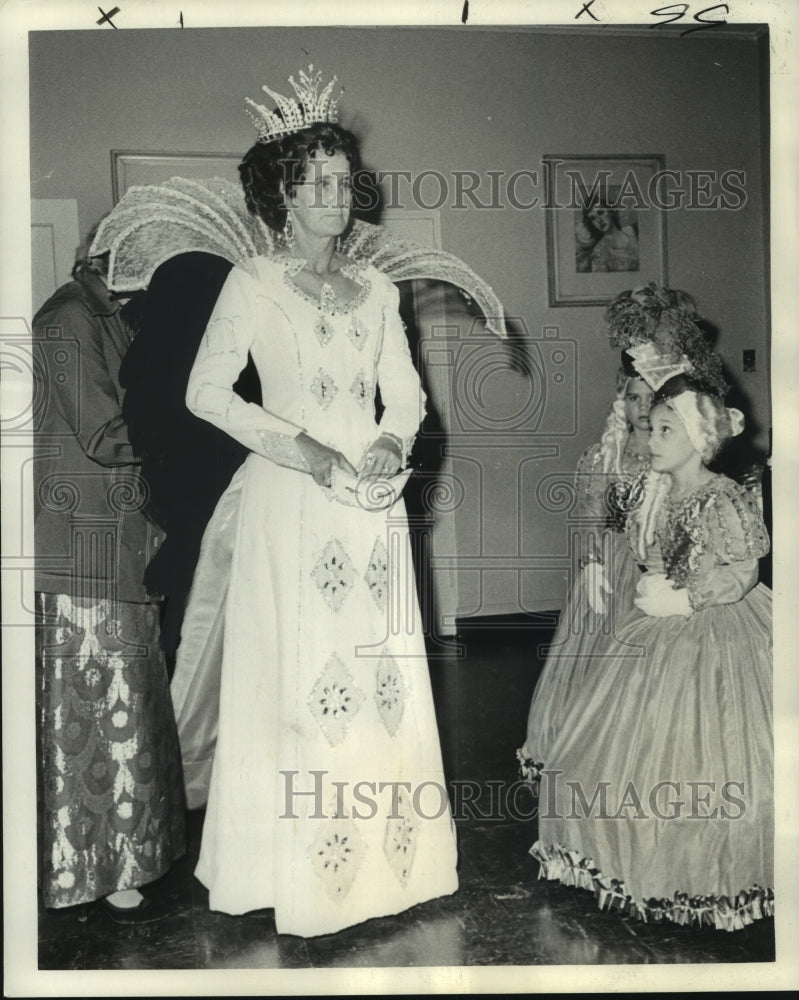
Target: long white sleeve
{"points": [[219, 362], [400, 388]]}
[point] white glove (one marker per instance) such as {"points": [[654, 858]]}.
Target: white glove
{"points": [[597, 586], [659, 598]]}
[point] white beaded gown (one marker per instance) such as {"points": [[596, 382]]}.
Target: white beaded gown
{"points": [[327, 796]]}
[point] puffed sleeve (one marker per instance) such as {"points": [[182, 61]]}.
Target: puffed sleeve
{"points": [[94, 413], [220, 359], [400, 388], [736, 540]]}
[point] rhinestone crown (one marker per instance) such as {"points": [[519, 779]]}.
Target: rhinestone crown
{"points": [[293, 114]]}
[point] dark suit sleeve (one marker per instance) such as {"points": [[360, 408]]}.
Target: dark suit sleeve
{"points": [[93, 413], [187, 462]]}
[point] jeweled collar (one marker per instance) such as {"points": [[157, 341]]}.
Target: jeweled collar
{"points": [[327, 301], [714, 481]]}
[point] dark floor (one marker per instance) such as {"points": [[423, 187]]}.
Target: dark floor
{"points": [[502, 914]]}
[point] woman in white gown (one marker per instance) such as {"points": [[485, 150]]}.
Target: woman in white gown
{"points": [[327, 797]]}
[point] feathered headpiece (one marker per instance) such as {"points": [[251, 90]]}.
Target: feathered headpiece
{"points": [[636, 315], [658, 329]]}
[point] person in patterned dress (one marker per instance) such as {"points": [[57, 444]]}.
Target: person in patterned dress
{"points": [[110, 784]]}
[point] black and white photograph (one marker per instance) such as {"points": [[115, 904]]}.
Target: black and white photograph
{"points": [[606, 237], [606, 225], [397, 432]]}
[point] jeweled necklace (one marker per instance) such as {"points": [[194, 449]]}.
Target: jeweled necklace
{"points": [[631, 451]]}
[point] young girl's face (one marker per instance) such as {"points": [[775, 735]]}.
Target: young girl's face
{"points": [[668, 442], [637, 401]]}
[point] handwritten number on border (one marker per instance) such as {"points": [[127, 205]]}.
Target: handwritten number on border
{"points": [[677, 11]]}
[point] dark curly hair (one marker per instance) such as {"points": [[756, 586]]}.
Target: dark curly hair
{"points": [[268, 166]]}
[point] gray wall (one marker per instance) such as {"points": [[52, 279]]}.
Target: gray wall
{"points": [[447, 99]]}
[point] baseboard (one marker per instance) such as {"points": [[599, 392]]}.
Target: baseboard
{"points": [[546, 620]]}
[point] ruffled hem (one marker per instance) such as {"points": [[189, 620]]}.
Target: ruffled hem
{"points": [[723, 913]]}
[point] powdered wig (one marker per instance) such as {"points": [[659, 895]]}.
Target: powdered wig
{"points": [[707, 421], [656, 487], [708, 424], [616, 431]]}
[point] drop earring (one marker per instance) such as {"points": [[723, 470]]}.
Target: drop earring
{"points": [[288, 233]]}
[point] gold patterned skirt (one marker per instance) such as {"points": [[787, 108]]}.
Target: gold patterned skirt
{"points": [[111, 798]]}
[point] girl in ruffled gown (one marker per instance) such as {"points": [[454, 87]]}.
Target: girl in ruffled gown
{"points": [[656, 323], [606, 471], [658, 789]]}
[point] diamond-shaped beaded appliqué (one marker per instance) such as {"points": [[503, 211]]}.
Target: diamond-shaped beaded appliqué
{"points": [[357, 332], [333, 574], [323, 329], [324, 388], [402, 834], [361, 389], [335, 700], [391, 692], [337, 852], [376, 575]]}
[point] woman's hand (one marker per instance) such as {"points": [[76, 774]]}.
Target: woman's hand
{"points": [[382, 458], [321, 459]]}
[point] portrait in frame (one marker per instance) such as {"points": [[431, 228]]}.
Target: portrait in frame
{"points": [[130, 168], [605, 227]]}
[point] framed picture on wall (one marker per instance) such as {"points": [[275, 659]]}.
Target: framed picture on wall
{"points": [[130, 167], [605, 229]]}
